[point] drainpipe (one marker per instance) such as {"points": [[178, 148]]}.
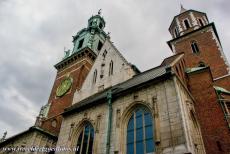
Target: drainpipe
{"points": [[109, 99]]}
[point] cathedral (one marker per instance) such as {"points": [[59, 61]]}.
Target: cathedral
{"points": [[102, 104]]}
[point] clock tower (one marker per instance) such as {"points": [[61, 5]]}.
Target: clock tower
{"points": [[71, 73]]}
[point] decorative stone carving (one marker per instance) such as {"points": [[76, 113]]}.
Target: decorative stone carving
{"points": [[98, 123], [118, 118]]}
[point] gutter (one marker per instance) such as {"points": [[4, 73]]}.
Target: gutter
{"points": [[109, 99]]}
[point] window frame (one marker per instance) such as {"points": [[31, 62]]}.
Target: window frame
{"points": [[194, 46], [186, 23], [111, 68], [144, 110], [81, 133], [95, 76], [99, 45]]}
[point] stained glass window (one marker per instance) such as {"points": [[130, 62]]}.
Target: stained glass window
{"points": [[140, 132], [85, 140]]}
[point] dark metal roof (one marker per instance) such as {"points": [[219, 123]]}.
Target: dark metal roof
{"points": [[136, 81]]}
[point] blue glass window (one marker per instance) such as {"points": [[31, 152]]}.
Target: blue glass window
{"points": [[85, 140], [140, 132]]}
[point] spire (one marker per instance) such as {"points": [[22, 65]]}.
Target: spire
{"points": [[182, 9], [99, 12]]}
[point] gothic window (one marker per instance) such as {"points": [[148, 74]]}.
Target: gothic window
{"points": [[140, 133], [104, 54], [85, 140], [201, 22], [80, 43], [99, 46], [195, 48], [111, 68], [186, 23], [95, 76]]}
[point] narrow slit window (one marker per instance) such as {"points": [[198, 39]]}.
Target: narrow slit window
{"points": [[99, 46], [80, 43], [186, 23], [100, 25], [95, 76], [195, 48], [111, 68]]}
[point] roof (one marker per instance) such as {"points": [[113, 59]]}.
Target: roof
{"points": [[155, 74], [31, 129], [167, 61]]}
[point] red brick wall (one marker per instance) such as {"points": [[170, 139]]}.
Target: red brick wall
{"points": [[223, 82], [78, 72], [210, 115], [209, 52]]}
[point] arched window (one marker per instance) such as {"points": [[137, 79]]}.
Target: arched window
{"points": [[111, 68], [186, 23], [85, 140], [201, 64], [54, 123], [201, 22], [176, 32], [95, 76], [140, 133], [195, 48]]}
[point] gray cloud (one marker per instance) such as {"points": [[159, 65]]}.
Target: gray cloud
{"points": [[33, 34]]}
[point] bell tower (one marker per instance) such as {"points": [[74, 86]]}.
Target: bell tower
{"points": [[71, 73], [207, 73], [194, 35]]}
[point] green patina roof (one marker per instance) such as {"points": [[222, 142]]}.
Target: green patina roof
{"points": [[89, 36], [221, 90]]}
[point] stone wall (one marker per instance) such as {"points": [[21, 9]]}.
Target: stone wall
{"points": [[28, 142], [164, 101], [122, 71]]}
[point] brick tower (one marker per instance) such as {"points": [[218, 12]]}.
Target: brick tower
{"points": [[71, 73], [207, 75], [198, 39]]}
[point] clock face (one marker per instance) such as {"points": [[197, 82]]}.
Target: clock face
{"points": [[64, 87]]}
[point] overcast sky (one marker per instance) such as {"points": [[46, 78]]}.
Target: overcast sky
{"points": [[33, 34]]}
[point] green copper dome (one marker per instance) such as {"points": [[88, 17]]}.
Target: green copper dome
{"points": [[92, 37]]}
